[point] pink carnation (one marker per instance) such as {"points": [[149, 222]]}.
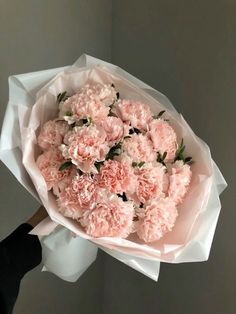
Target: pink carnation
{"points": [[179, 181], [65, 182], [105, 93], [94, 109], [91, 101], [139, 147], [151, 181], [115, 129], [52, 134], [110, 218], [49, 163], [163, 137], [156, 219], [137, 113], [87, 145], [117, 177], [77, 197]]}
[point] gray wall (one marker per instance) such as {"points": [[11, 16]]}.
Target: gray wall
{"points": [[36, 35], [193, 45]]}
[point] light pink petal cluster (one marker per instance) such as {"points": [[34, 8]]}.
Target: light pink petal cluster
{"points": [[52, 134], [140, 148], [115, 129], [179, 181], [93, 109], [151, 182], [49, 163], [136, 113], [110, 218], [105, 93], [86, 145], [117, 177], [163, 137], [91, 101], [78, 196], [156, 219], [65, 182]]}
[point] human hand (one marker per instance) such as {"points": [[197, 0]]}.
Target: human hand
{"points": [[38, 216]]}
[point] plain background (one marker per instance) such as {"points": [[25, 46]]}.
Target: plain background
{"points": [[184, 48]]}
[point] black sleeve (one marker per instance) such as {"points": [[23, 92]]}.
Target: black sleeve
{"points": [[19, 253]]}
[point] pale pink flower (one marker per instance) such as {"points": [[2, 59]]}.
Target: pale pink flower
{"points": [[106, 93], [67, 136], [85, 186], [110, 218], [52, 134], [115, 129], [68, 203], [117, 177], [163, 137], [151, 180], [91, 101], [80, 99], [139, 147], [77, 197], [65, 182], [93, 109], [49, 163], [137, 113], [87, 144], [179, 180], [156, 219], [124, 158]]}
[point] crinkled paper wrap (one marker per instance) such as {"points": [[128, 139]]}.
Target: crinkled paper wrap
{"points": [[67, 249]]}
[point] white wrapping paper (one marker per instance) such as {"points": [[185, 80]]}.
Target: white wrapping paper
{"points": [[32, 103]]}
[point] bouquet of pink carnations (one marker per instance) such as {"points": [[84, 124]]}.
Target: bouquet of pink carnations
{"points": [[114, 166], [113, 163]]}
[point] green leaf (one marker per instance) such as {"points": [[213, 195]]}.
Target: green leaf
{"points": [[159, 114], [98, 165], [65, 165], [68, 113], [73, 125], [181, 150], [181, 156], [161, 158], [136, 130], [87, 121], [141, 164], [114, 151], [158, 157], [138, 164], [62, 97], [180, 146], [188, 160], [164, 156], [112, 114], [80, 172]]}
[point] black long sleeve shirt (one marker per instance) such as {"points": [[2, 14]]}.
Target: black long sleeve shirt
{"points": [[19, 253]]}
